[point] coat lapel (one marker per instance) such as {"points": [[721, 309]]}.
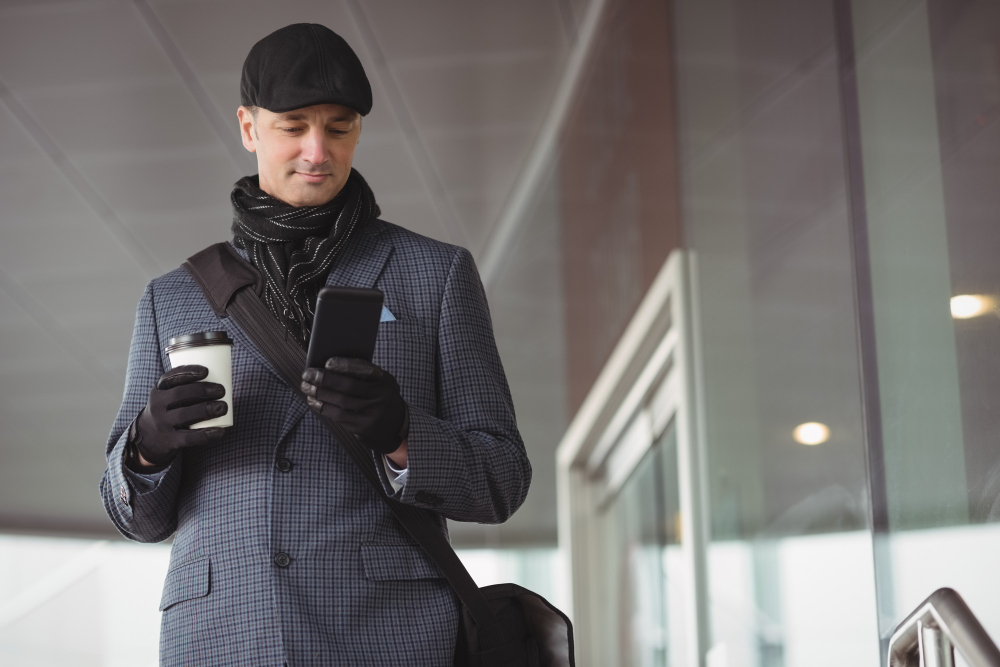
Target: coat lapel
{"points": [[360, 263]]}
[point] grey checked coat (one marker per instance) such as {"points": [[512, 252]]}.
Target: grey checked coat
{"points": [[357, 590]]}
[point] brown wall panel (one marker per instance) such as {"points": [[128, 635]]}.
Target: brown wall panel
{"points": [[618, 171]]}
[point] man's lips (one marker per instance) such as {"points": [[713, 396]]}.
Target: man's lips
{"points": [[312, 178]]}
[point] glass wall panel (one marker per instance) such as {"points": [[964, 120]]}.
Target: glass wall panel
{"points": [[928, 101], [764, 205]]}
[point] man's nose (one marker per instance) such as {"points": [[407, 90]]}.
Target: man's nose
{"points": [[313, 148]]}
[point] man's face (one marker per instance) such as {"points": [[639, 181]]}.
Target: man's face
{"points": [[303, 156]]}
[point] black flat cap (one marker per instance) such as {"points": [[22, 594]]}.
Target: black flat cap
{"points": [[301, 65]]}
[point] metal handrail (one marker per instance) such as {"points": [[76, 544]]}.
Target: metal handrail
{"points": [[942, 622]]}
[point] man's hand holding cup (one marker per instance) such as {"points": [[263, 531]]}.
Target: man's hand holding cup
{"points": [[178, 400]]}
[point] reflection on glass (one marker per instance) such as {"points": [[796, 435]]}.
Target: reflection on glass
{"points": [[967, 306], [811, 433]]}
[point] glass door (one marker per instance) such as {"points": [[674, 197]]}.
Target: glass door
{"points": [[642, 564], [631, 517]]}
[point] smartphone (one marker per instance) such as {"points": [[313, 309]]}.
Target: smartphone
{"points": [[345, 324]]}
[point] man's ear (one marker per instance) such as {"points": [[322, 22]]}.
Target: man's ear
{"points": [[248, 130]]}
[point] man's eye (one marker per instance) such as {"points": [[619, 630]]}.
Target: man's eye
{"points": [[289, 129], [339, 131]]}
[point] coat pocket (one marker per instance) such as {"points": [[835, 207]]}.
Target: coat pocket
{"points": [[186, 581], [416, 327], [394, 562]]}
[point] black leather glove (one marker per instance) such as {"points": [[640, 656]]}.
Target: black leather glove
{"points": [[177, 401], [361, 396]]}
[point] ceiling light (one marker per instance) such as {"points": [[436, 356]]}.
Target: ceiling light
{"points": [[811, 433], [965, 306]]}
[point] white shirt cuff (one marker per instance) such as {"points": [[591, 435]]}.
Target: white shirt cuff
{"points": [[397, 476]]}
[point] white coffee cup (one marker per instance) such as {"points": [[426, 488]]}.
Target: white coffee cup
{"points": [[214, 351]]}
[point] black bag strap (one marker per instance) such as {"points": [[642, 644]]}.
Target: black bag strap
{"points": [[222, 274]]}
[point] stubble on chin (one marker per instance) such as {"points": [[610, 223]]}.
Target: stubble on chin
{"points": [[305, 195]]}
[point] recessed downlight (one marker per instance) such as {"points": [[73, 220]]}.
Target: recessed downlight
{"points": [[967, 306], [811, 433]]}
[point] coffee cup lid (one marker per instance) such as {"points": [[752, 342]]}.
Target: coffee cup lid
{"points": [[198, 339]]}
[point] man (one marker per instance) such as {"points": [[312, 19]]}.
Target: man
{"points": [[282, 553]]}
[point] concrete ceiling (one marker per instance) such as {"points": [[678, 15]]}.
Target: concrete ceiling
{"points": [[118, 152]]}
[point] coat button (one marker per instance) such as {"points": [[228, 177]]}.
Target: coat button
{"points": [[283, 465], [432, 499], [281, 559]]}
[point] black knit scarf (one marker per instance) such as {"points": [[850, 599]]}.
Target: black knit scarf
{"points": [[295, 246]]}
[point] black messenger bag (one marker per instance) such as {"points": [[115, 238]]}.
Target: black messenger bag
{"points": [[500, 626]]}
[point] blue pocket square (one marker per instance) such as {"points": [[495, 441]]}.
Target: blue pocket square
{"points": [[387, 316]]}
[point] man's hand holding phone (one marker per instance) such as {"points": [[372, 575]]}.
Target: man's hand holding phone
{"points": [[364, 398], [349, 388]]}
